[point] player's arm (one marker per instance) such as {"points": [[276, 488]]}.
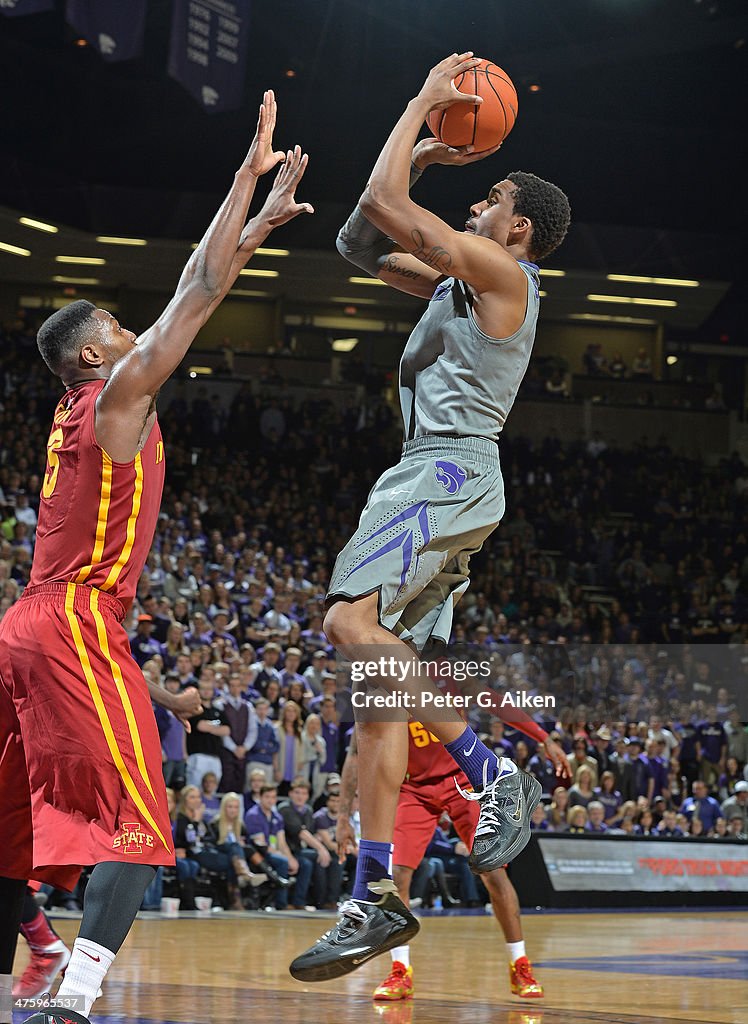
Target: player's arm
{"points": [[386, 203], [344, 834], [184, 705], [372, 250], [224, 249]]}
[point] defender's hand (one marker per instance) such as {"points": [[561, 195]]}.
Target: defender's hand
{"points": [[558, 759], [280, 205], [431, 151], [438, 91], [186, 705], [345, 837], [261, 158]]}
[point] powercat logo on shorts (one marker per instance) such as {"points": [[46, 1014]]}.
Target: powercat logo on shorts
{"points": [[450, 475], [133, 839]]}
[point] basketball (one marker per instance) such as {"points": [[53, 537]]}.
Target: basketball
{"points": [[484, 125]]}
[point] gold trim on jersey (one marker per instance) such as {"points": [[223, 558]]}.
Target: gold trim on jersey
{"points": [[137, 494], [101, 710], [101, 522], [119, 682]]}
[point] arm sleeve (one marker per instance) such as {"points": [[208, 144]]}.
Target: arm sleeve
{"points": [[364, 245]]}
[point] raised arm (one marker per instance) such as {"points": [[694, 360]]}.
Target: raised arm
{"points": [[487, 266], [370, 249], [127, 399]]}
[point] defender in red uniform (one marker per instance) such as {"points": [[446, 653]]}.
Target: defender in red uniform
{"points": [[429, 791], [80, 757]]}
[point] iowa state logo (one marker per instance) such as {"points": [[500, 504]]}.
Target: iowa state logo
{"points": [[132, 839]]}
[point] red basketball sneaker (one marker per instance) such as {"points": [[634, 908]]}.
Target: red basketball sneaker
{"points": [[522, 981], [43, 968], [397, 985]]}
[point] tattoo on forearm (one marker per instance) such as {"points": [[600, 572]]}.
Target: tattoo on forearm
{"points": [[392, 266], [437, 256]]}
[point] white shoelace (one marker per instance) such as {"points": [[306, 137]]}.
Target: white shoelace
{"points": [[489, 818]]}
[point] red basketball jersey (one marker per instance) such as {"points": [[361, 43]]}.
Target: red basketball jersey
{"points": [[428, 761], [97, 517]]}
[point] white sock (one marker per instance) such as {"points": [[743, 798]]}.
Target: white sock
{"points": [[85, 973], [6, 984], [506, 766], [515, 950], [401, 953]]}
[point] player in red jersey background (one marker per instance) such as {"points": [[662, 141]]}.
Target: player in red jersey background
{"points": [[429, 791], [80, 756]]}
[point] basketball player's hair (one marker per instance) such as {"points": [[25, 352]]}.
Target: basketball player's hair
{"points": [[546, 206], [60, 337]]}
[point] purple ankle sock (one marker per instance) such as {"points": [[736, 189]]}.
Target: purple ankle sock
{"points": [[471, 754], [374, 864]]}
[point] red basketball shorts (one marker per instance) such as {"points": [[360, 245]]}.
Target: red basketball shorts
{"points": [[80, 756], [418, 811]]}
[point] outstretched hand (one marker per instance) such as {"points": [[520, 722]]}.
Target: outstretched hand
{"points": [[280, 205], [439, 90], [261, 157], [431, 151]]}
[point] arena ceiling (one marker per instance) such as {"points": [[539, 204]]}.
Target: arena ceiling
{"points": [[638, 116]]}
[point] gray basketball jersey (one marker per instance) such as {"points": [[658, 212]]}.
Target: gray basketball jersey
{"points": [[456, 380]]}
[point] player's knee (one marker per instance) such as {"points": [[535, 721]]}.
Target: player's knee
{"points": [[345, 622]]}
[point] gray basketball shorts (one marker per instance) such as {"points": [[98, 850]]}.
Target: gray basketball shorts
{"points": [[423, 520]]}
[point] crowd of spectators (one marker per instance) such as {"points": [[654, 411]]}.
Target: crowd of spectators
{"points": [[613, 580]]}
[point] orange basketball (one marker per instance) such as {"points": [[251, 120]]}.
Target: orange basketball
{"points": [[486, 124]]}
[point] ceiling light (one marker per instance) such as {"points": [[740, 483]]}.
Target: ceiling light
{"points": [[251, 294], [249, 272], [89, 261], [59, 279], [542, 294], [344, 344], [264, 251], [15, 249], [366, 280], [552, 273], [534, 87], [116, 240], [671, 360], [200, 371], [603, 318], [631, 301], [675, 282], [38, 225]]}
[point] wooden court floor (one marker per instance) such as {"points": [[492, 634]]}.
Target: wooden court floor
{"points": [[627, 968]]}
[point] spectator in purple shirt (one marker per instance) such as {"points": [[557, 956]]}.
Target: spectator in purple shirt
{"points": [[143, 645], [639, 768], [220, 630], [290, 673], [595, 817], [702, 806], [497, 741], [260, 756], [610, 798], [658, 768], [266, 828], [711, 740], [668, 827], [172, 734]]}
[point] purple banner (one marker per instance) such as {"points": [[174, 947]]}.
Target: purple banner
{"points": [[114, 28], [16, 8], [208, 51]]}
